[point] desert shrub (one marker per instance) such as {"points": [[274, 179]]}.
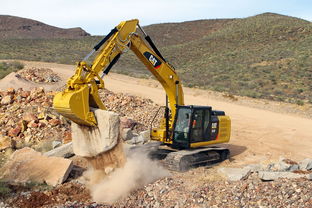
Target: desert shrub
{"points": [[299, 102], [8, 67], [4, 189]]}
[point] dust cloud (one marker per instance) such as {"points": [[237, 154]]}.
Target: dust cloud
{"points": [[138, 171]]}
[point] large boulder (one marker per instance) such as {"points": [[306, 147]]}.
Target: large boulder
{"points": [[65, 150], [92, 141], [27, 165]]}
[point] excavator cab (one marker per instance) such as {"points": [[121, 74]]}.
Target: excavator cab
{"points": [[198, 126]]}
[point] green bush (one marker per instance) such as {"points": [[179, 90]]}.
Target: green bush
{"points": [[299, 102]]}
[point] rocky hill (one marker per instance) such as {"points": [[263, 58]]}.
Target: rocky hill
{"points": [[12, 27]]}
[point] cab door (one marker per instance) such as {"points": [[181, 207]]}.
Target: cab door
{"points": [[201, 125]]}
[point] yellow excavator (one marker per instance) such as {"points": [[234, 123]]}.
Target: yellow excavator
{"points": [[185, 130]]}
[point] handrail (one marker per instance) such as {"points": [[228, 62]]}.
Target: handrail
{"points": [[151, 125]]}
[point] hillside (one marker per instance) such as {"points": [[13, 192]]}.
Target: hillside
{"points": [[264, 56], [169, 34], [12, 27]]}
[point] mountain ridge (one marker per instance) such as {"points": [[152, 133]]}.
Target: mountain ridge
{"points": [[12, 27]]}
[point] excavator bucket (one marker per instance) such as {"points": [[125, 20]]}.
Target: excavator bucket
{"points": [[74, 105], [95, 133]]}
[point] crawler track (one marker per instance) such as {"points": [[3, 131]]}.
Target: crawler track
{"points": [[183, 160]]}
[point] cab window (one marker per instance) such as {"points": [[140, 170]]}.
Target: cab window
{"points": [[197, 126], [200, 126], [182, 125]]}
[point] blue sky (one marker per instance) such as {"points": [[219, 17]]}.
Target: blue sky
{"points": [[99, 16]]}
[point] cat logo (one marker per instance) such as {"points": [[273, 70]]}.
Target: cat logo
{"points": [[152, 59]]}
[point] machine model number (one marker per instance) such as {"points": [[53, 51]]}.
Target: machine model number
{"points": [[152, 59]]}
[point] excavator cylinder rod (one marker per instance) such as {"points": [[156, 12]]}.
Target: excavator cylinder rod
{"points": [[112, 32], [111, 64]]}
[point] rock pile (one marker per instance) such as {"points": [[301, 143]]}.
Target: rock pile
{"points": [[219, 193], [27, 117], [38, 75], [287, 168], [139, 111]]}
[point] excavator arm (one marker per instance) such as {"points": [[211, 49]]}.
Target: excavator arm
{"points": [[81, 91]]}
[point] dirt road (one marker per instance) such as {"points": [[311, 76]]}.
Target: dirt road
{"points": [[257, 135]]}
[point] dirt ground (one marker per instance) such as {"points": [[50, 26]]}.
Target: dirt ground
{"points": [[261, 130]]}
